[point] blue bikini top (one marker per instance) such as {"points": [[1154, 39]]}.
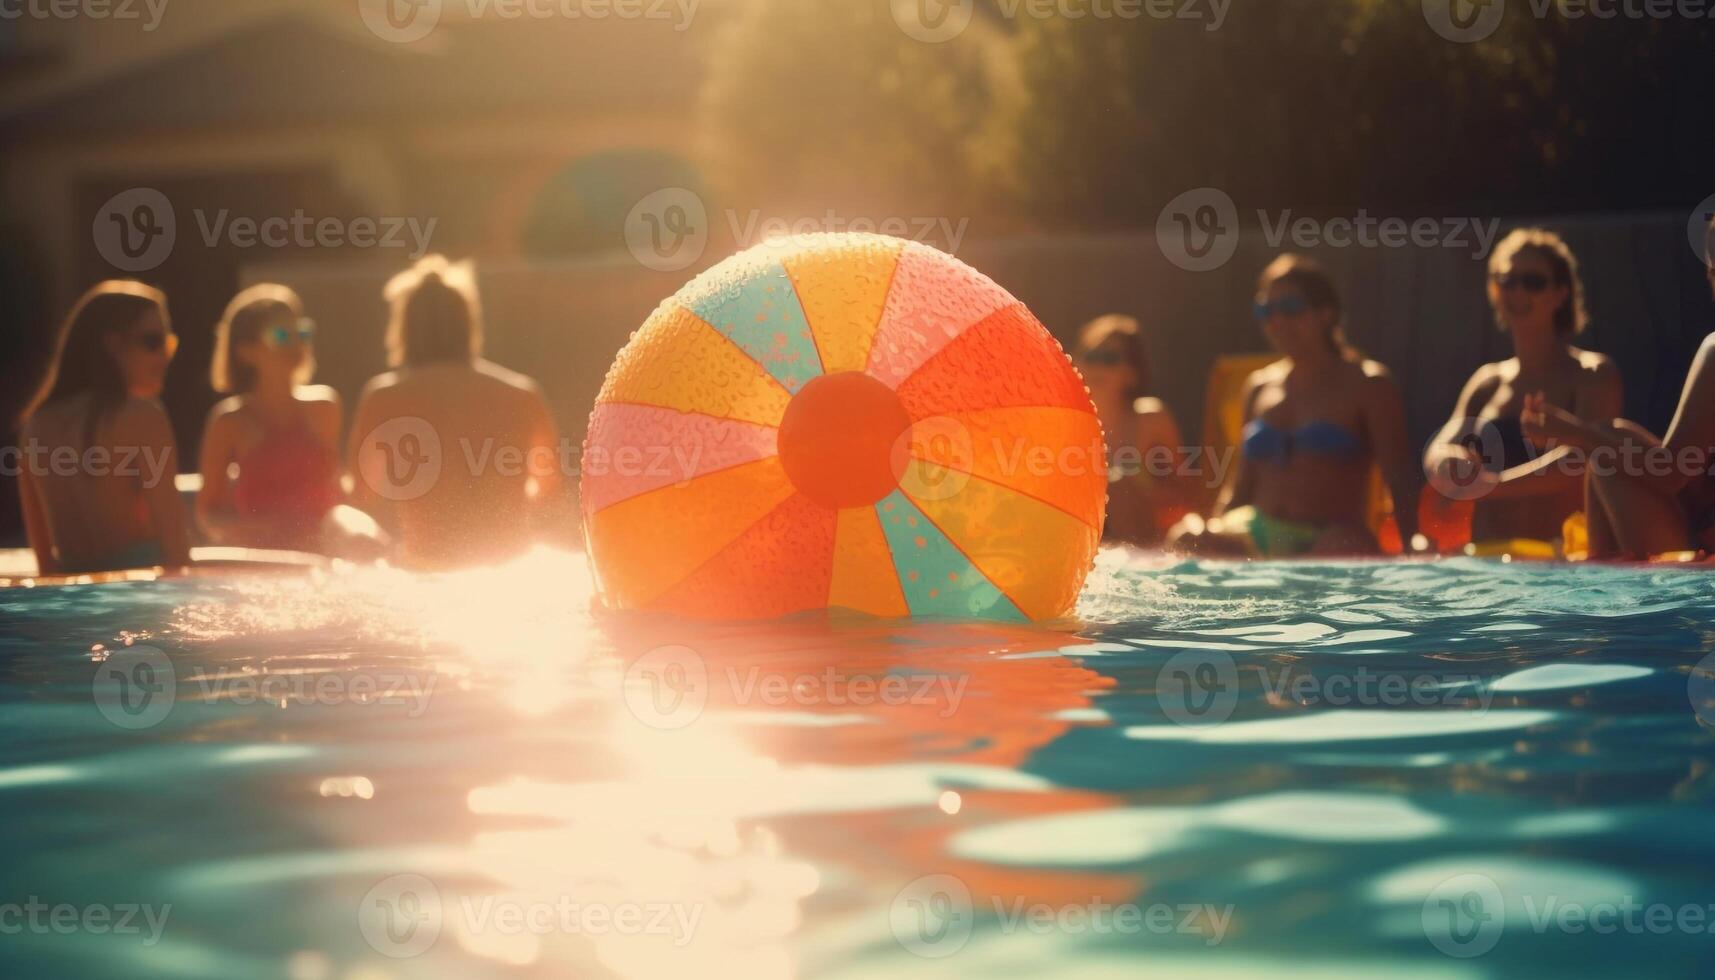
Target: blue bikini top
{"points": [[1267, 443]]}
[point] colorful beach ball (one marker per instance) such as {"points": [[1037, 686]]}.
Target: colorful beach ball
{"points": [[843, 421]]}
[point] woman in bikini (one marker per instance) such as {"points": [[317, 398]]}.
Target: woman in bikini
{"points": [[270, 452], [99, 455], [1645, 496], [1317, 421], [1523, 490], [1140, 430]]}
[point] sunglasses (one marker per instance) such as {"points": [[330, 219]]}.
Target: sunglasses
{"points": [[156, 341], [1104, 358], [1290, 306], [300, 334], [1530, 282]]}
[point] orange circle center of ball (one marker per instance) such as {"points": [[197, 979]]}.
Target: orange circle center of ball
{"points": [[837, 439]]}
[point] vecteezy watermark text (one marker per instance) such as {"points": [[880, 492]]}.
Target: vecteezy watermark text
{"points": [[669, 687], [1199, 231], [933, 917], [1468, 21], [936, 21], [402, 916], [669, 229], [149, 12], [136, 687], [1467, 915], [1201, 688], [147, 464], [136, 230], [35, 917], [405, 21]]}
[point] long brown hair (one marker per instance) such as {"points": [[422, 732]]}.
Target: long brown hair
{"points": [[242, 324], [436, 314], [81, 363]]}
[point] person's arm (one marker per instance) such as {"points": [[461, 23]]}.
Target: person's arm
{"points": [[1384, 417], [1693, 427], [363, 422], [214, 500], [1155, 430], [1694, 421], [1240, 485], [1451, 465], [1597, 402], [326, 414], [36, 526], [153, 430]]}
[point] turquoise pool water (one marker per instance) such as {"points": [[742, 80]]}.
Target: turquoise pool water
{"points": [[1443, 770]]}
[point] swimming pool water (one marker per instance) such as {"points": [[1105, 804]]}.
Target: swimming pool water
{"points": [[1454, 769]]}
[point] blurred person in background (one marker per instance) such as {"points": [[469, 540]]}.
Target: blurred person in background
{"points": [[1143, 502], [1639, 506], [271, 452], [456, 455], [1316, 422], [97, 452], [1522, 490]]}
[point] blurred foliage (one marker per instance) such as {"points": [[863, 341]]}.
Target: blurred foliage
{"points": [[1307, 104], [826, 103]]}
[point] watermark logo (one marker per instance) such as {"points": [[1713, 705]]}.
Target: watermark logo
{"points": [[1700, 688], [1198, 231], [668, 687], [1464, 916], [148, 11], [401, 458], [668, 230], [1697, 229], [404, 915], [1464, 21], [35, 917], [400, 21], [933, 21], [135, 230], [1468, 467], [400, 917], [933, 916], [135, 687], [934, 458], [1198, 688]]}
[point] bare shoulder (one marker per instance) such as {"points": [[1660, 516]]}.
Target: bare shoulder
{"points": [[317, 395], [1595, 366], [1487, 378], [508, 377], [1374, 370], [143, 418], [1147, 407], [1273, 373], [385, 381], [224, 415], [1376, 380]]}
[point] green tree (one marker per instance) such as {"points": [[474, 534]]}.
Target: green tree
{"points": [[812, 105]]}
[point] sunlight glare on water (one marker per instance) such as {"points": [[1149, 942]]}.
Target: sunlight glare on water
{"points": [[372, 774]]}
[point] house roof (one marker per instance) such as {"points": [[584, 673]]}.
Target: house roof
{"points": [[297, 69]]}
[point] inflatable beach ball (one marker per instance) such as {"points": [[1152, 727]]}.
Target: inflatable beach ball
{"points": [[843, 421]]}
